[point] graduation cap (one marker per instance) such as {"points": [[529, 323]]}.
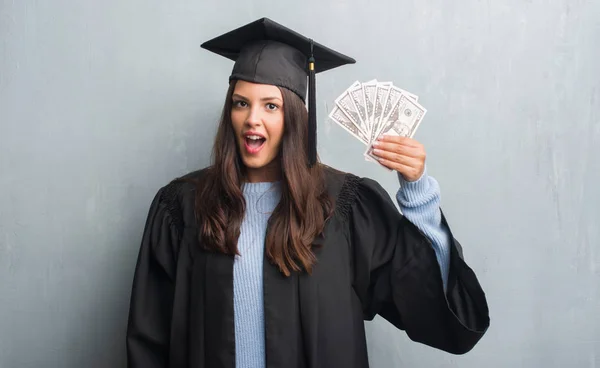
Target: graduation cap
{"points": [[266, 52]]}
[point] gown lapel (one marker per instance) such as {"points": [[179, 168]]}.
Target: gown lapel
{"points": [[215, 311], [291, 317], [283, 344]]}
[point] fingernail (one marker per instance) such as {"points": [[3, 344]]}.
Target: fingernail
{"points": [[376, 144]]}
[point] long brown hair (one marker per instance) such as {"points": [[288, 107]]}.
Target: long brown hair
{"points": [[302, 211]]}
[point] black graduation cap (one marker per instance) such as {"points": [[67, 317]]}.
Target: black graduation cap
{"points": [[268, 53]]}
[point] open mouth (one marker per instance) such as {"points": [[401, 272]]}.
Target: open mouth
{"points": [[253, 143]]}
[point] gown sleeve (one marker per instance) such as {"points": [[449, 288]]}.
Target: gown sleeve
{"points": [[419, 202], [397, 275], [148, 328]]}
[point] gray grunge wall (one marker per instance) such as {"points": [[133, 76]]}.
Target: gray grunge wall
{"points": [[101, 103]]}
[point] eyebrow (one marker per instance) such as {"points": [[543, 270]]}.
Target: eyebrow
{"points": [[262, 99]]}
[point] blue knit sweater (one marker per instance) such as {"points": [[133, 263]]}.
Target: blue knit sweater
{"points": [[419, 202]]}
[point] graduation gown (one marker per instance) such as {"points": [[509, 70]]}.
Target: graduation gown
{"points": [[371, 261]]}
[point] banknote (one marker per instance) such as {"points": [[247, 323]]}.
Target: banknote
{"points": [[394, 95], [381, 95], [340, 118], [346, 105], [404, 120], [369, 89], [373, 108], [358, 98]]}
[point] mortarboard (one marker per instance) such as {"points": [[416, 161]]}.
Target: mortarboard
{"points": [[268, 53]]}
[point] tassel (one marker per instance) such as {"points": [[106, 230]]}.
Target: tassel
{"points": [[312, 110]]}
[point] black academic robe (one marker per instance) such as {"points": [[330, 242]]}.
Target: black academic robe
{"points": [[371, 261]]}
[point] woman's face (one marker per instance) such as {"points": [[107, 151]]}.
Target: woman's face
{"points": [[257, 118]]}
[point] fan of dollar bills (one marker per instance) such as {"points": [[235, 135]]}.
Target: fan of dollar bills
{"points": [[371, 109]]}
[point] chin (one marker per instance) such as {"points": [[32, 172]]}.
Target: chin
{"points": [[253, 163], [256, 162], [259, 163]]}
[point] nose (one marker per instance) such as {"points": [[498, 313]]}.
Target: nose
{"points": [[254, 117]]}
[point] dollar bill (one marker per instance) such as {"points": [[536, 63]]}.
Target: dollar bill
{"points": [[381, 94], [394, 95], [403, 120], [340, 118], [358, 98], [346, 104], [369, 89], [390, 103], [371, 109], [391, 100], [410, 95]]}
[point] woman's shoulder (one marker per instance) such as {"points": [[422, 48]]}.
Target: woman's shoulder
{"points": [[178, 196], [183, 187], [335, 176], [348, 189], [346, 182]]}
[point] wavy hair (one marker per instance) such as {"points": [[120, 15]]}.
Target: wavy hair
{"points": [[302, 212]]}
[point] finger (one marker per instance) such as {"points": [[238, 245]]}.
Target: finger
{"points": [[409, 173], [396, 157], [416, 152], [406, 141]]}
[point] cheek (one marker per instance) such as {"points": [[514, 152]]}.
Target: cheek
{"points": [[237, 120], [276, 131]]}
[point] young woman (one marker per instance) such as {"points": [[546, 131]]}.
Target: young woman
{"points": [[268, 258]]}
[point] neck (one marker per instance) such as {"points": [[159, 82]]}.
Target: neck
{"points": [[267, 173]]}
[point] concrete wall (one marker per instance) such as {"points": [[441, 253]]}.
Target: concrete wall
{"points": [[101, 103]]}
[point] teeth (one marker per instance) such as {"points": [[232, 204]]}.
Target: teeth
{"points": [[254, 137]]}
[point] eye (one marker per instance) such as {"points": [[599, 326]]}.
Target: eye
{"points": [[272, 106], [239, 103]]}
